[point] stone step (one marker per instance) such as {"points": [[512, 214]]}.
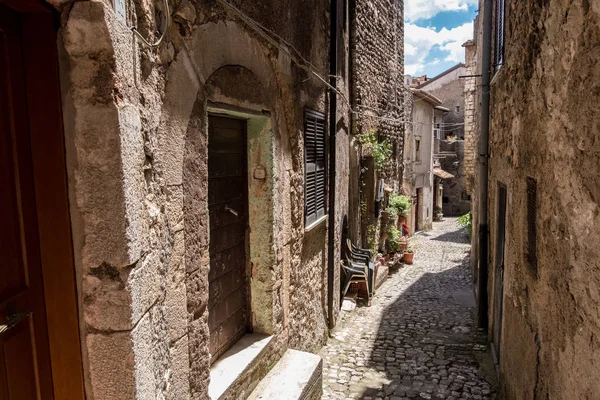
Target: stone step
{"points": [[297, 376]]}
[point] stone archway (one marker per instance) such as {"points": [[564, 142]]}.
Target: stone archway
{"points": [[225, 71]]}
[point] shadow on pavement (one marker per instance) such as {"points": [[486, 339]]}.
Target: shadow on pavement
{"points": [[427, 344]]}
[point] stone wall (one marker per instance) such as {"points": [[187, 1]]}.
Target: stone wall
{"points": [[545, 126], [456, 201], [471, 103], [377, 74], [451, 93], [136, 123]]}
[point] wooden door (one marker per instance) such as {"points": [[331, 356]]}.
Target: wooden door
{"points": [[499, 270], [25, 371], [419, 208], [228, 304]]}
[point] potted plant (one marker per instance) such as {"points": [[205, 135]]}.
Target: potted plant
{"points": [[403, 244], [393, 240], [408, 256], [437, 213], [400, 203]]}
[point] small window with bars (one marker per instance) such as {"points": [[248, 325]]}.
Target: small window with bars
{"points": [[315, 188], [531, 223], [499, 33]]}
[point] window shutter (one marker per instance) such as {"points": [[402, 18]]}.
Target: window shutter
{"points": [[314, 167]]}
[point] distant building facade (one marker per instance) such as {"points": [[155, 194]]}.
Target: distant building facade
{"points": [[449, 145]]}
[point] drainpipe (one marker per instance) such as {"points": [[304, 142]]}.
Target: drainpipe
{"points": [[486, 62], [332, 260]]}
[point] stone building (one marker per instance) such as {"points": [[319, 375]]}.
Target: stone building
{"points": [[449, 146], [181, 208], [418, 159], [539, 275], [449, 88], [377, 97], [178, 187], [471, 102]]}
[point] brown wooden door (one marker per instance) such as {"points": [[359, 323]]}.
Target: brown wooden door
{"points": [[499, 273], [228, 303], [25, 371]]}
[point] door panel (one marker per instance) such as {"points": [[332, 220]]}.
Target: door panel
{"points": [[228, 303], [499, 270], [25, 361]]}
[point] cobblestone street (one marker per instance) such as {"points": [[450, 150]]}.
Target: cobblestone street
{"points": [[419, 338]]}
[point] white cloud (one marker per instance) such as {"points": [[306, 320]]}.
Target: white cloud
{"points": [[420, 41], [425, 9]]}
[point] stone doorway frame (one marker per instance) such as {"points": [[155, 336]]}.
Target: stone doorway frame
{"points": [[260, 254]]}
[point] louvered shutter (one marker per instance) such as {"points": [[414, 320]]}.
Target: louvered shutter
{"points": [[314, 167]]}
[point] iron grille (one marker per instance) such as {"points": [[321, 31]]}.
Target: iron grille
{"points": [[499, 28]]}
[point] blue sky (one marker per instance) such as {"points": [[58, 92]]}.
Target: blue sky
{"points": [[434, 31]]}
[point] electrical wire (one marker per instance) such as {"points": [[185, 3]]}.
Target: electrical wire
{"points": [[162, 36], [307, 66]]}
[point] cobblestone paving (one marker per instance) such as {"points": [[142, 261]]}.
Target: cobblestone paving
{"points": [[419, 338]]}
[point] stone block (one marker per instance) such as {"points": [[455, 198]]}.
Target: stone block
{"points": [[176, 311], [141, 336], [145, 286], [179, 384], [197, 291], [298, 375], [111, 366], [107, 305], [181, 92], [198, 340], [86, 31]]}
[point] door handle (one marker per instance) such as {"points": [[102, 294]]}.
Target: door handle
{"points": [[13, 320], [231, 210]]}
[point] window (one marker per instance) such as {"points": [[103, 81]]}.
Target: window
{"points": [[531, 226], [457, 109], [314, 166], [465, 196], [499, 33], [436, 128], [418, 149]]}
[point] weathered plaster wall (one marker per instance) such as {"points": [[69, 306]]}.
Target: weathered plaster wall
{"points": [[423, 169], [136, 134], [545, 126]]}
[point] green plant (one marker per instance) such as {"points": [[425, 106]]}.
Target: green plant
{"points": [[400, 203], [394, 239], [380, 149], [466, 221], [409, 250], [392, 213], [437, 209], [371, 239]]}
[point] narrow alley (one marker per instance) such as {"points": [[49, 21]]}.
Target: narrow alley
{"points": [[419, 338]]}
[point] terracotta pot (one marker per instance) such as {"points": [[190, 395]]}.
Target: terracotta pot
{"points": [[407, 258]]}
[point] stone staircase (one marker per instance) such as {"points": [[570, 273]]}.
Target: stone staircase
{"points": [[297, 376]]}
